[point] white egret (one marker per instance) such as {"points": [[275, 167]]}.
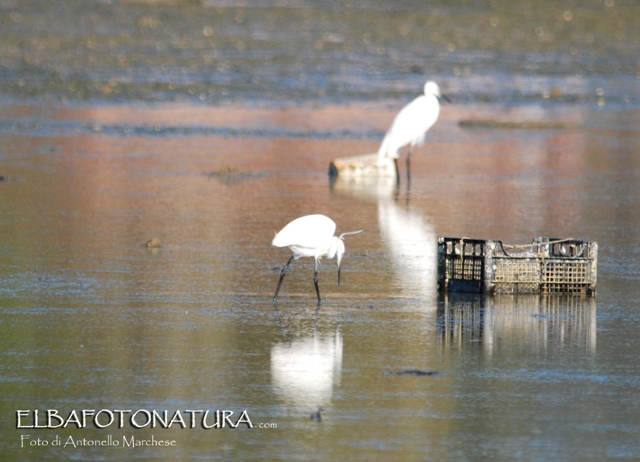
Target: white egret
{"points": [[310, 236], [411, 124]]}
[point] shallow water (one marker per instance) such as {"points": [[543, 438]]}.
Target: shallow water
{"points": [[93, 319]]}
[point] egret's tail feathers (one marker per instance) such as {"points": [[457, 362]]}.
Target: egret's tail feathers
{"points": [[384, 146], [388, 148]]}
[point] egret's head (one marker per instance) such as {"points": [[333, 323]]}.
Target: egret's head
{"points": [[339, 254], [432, 89], [337, 249]]}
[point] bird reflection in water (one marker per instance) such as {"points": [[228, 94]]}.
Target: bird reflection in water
{"points": [[409, 237], [412, 244], [305, 370]]}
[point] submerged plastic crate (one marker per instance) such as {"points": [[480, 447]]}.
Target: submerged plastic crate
{"points": [[489, 267]]}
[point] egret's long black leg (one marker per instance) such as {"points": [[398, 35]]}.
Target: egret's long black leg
{"points": [[408, 175], [282, 273], [315, 279], [395, 161]]}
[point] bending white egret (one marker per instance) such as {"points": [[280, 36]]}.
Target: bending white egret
{"points": [[411, 124], [310, 236]]}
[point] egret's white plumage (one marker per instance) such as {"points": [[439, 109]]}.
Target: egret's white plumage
{"points": [[412, 123], [310, 236]]}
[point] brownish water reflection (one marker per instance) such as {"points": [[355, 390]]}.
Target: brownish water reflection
{"points": [[535, 322], [93, 319]]}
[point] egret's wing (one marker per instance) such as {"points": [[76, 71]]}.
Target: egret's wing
{"points": [[402, 128], [411, 125], [310, 231]]}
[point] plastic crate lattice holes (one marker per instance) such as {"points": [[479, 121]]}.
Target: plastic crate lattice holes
{"points": [[545, 266]]}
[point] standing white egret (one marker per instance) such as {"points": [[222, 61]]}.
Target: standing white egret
{"points": [[411, 124], [310, 236]]}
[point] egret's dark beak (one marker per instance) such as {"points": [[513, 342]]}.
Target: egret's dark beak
{"points": [[446, 98], [338, 275]]}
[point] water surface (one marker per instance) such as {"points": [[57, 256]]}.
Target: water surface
{"points": [[91, 318]]}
